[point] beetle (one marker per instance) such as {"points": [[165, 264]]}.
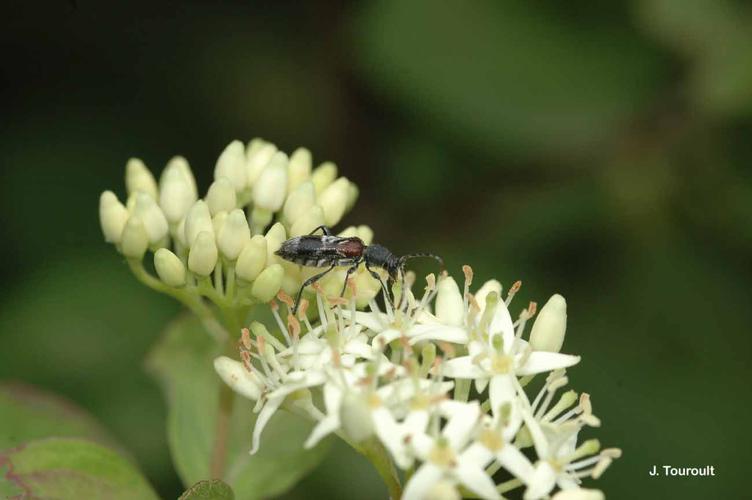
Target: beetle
{"points": [[330, 251]]}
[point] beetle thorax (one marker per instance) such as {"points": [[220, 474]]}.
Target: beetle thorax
{"points": [[380, 256]]}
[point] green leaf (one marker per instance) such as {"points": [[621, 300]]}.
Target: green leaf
{"points": [[183, 363], [211, 489], [28, 413], [508, 77], [69, 468]]}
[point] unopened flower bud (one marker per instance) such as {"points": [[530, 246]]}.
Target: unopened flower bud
{"points": [[152, 217], [234, 234], [112, 217], [218, 222], [231, 164], [237, 377], [221, 196], [197, 220], [300, 168], [450, 307], [355, 416], [299, 202], [177, 192], [550, 326], [352, 195], [365, 233], [323, 175], [260, 219], [309, 221], [180, 234], [169, 267], [274, 239], [258, 155], [268, 283], [334, 201], [487, 287], [139, 179], [134, 241], [203, 254], [270, 188], [579, 494], [252, 259]]}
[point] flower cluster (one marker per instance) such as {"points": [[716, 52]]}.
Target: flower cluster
{"points": [[436, 383], [222, 246]]}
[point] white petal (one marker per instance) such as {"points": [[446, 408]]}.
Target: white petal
{"points": [[463, 367], [539, 362], [298, 380], [502, 323], [476, 454], [263, 418], [516, 463], [461, 424], [536, 433], [481, 383], [579, 494], [386, 336], [542, 481], [475, 479], [421, 444], [359, 348], [501, 391], [439, 333], [325, 427], [421, 482]]}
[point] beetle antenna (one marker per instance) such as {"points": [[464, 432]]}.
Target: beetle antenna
{"points": [[404, 258]]}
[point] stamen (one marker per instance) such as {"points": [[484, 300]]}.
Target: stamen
{"points": [[320, 305], [245, 339], [468, 272], [513, 291], [302, 310], [565, 401], [283, 297], [278, 319]]}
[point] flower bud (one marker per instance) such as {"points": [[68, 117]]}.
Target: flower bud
{"points": [[169, 267], [203, 254], [270, 188], [138, 178], [260, 219], [218, 222], [152, 217], [323, 175], [112, 217], [365, 233], [334, 201], [177, 192], [258, 155], [268, 283], [180, 234], [450, 306], [299, 202], [355, 415], [134, 241], [221, 196], [252, 259], [237, 377], [274, 239], [550, 326], [309, 221], [234, 234], [231, 164], [197, 220], [300, 168], [487, 287], [352, 196], [181, 165]]}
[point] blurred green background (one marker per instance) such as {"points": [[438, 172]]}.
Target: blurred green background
{"points": [[596, 149]]}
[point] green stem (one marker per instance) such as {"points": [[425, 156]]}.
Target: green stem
{"points": [[374, 451], [462, 389], [191, 301]]}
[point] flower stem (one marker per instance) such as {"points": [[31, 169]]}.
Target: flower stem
{"points": [[374, 451]]}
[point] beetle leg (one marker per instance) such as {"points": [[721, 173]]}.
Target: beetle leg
{"points": [[383, 285], [352, 269], [309, 281], [324, 229]]}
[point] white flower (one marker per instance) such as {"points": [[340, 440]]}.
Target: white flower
{"points": [[447, 457]]}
